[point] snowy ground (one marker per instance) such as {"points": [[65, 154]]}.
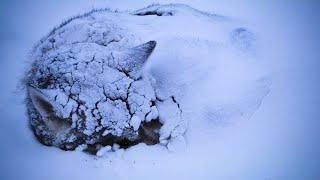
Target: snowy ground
{"points": [[279, 141]]}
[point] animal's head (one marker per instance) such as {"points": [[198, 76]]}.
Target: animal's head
{"points": [[82, 93]]}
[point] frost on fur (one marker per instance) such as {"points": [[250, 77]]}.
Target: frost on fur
{"points": [[86, 86]]}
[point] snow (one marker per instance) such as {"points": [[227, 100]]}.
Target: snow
{"points": [[231, 132], [177, 144], [135, 122], [102, 151]]}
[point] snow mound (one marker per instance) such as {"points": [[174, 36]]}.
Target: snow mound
{"points": [[93, 79]]}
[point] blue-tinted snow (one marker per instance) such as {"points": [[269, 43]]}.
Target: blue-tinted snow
{"points": [[280, 140]]}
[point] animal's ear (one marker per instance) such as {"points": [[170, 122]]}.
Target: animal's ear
{"points": [[41, 102], [136, 57]]}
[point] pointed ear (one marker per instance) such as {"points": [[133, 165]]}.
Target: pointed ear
{"points": [[41, 102], [134, 60]]}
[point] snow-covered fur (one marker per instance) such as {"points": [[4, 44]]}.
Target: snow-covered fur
{"points": [[88, 84]]}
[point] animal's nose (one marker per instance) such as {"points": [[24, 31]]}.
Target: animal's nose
{"points": [[149, 132]]}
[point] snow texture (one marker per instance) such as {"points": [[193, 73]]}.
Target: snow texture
{"points": [[88, 74], [216, 68]]}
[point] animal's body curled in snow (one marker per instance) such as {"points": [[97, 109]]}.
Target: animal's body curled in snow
{"points": [[86, 87], [87, 83], [85, 94]]}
